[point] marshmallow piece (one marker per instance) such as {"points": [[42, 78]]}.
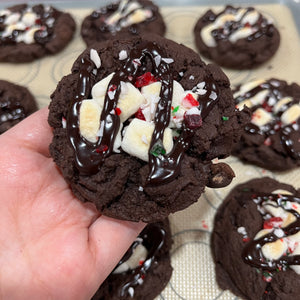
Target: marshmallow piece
{"points": [[89, 120], [291, 115], [248, 87], [261, 117], [99, 89], [274, 250], [139, 254], [280, 104], [130, 100], [137, 139]]}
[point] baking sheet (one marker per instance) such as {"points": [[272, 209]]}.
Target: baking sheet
{"points": [[193, 276]]}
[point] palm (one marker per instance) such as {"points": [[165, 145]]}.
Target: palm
{"points": [[52, 245]]}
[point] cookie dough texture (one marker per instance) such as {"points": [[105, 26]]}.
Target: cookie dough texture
{"points": [[47, 30], [146, 19], [16, 103], [238, 38], [118, 189], [272, 139], [154, 280], [238, 210]]}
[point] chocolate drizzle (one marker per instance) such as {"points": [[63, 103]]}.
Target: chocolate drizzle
{"points": [[287, 133], [163, 168], [41, 36], [223, 33], [153, 239], [252, 253], [100, 20]]}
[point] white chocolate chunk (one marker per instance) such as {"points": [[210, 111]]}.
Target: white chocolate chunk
{"points": [[139, 254], [134, 139], [12, 18], [274, 250], [139, 16], [262, 233], [29, 18], [261, 117], [251, 17], [281, 192], [89, 120], [280, 104], [291, 115], [130, 100]]}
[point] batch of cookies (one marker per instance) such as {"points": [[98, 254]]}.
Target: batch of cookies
{"points": [[139, 123]]}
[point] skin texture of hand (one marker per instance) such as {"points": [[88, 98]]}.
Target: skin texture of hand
{"points": [[52, 246]]}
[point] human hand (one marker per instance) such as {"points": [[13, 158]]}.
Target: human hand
{"points": [[52, 246]]}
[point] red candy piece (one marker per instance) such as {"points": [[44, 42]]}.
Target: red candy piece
{"points": [[102, 148], [189, 101], [144, 79], [273, 222], [139, 115], [118, 111], [193, 121]]}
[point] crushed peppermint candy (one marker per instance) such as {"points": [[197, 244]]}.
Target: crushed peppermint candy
{"points": [[191, 77], [242, 230], [123, 55], [131, 291], [213, 95], [279, 232], [141, 188], [157, 60], [168, 60], [64, 122], [95, 58]]}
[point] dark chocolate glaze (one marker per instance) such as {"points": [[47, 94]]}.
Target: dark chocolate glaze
{"points": [[252, 253], [163, 168], [285, 131], [230, 27], [153, 238], [102, 14], [41, 36]]}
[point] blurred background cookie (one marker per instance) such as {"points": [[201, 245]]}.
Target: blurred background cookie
{"points": [[272, 139], [256, 241], [29, 32], [237, 37], [16, 103], [144, 270], [123, 19]]}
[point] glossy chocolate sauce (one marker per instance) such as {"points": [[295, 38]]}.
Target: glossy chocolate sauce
{"points": [[230, 27], [288, 133], [100, 20], [163, 168], [252, 253], [153, 239], [42, 35]]}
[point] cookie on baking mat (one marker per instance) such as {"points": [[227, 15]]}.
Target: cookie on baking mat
{"points": [[256, 241], [125, 18], [29, 32], [16, 103], [272, 139], [144, 270], [137, 124], [237, 37]]}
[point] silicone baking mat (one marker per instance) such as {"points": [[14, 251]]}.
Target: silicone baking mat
{"points": [[193, 276]]}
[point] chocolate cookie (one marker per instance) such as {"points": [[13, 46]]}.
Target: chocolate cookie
{"points": [[137, 124], [16, 103], [256, 241], [239, 38], [29, 32], [123, 19], [144, 270], [272, 139]]}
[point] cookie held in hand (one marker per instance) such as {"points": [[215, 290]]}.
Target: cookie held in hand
{"points": [[137, 123], [123, 19], [237, 37], [30, 32], [256, 241], [16, 103]]}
